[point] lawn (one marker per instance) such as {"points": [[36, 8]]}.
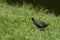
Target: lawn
{"points": [[15, 24]]}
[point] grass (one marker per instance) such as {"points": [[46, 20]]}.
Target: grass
{"points": [[15, 24]]}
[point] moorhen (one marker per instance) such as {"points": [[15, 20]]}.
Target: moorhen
{"points": [[39, 24]]}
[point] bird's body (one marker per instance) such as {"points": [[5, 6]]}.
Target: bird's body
{"points": [[39, 24]]}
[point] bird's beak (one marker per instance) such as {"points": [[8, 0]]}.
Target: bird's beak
{"points": [[30, 19]]}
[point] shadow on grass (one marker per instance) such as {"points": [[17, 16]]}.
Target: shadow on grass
{"points": [[14, 2], [47, 4]]}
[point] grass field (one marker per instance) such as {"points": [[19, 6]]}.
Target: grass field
{"points": [[15, 24]]}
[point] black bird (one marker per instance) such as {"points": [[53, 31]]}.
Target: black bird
{"points": [[39, 24]]}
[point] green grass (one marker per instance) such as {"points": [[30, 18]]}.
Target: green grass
{"points": [[15, 24]]}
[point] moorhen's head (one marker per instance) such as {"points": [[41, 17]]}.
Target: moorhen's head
{"points": [[32, 19]]}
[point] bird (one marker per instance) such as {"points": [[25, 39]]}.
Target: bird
{"points": [[39, 24]]}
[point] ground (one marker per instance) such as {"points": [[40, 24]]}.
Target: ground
{"points": [[15, 24]]}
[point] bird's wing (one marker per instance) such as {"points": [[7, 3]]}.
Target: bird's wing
{"points": [[40, 23]]}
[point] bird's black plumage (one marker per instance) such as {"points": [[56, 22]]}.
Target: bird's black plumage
{"points": [[39, 24]]}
